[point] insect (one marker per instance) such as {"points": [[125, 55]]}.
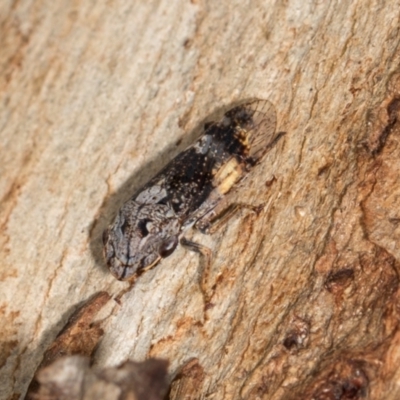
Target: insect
{"points": [[189, 190]]}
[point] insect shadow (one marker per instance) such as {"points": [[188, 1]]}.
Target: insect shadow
{"points": [[113, 202]]}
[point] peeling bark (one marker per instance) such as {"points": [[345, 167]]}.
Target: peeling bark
{"points": [[71, 378]]}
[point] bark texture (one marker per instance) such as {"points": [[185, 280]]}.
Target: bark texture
{"points": [[96, 97]]}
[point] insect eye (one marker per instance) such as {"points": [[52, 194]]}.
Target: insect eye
{"points": [[142, 225], [168, 246], [105, 236]]}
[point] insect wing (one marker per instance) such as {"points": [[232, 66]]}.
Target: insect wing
{"points": [[257, 122], [237, 143]]}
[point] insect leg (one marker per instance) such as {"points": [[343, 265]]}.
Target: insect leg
{"points": [[207, 254], [217, 217]]}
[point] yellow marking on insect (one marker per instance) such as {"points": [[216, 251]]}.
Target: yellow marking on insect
{"points": [[228, 175], [243, 136]]}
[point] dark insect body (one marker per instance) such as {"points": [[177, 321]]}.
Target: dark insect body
{"points": [[187, 191]]}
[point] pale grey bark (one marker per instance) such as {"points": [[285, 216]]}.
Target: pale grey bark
{"points": [[96, 97]]}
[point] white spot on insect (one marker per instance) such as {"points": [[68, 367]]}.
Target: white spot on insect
{"points": [[203, 144], [151, 195]]}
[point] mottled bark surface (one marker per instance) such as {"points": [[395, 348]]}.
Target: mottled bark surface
{"points": [[97, 97]]}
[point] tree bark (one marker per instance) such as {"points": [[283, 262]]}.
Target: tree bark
{"points": [[97, 97]]}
